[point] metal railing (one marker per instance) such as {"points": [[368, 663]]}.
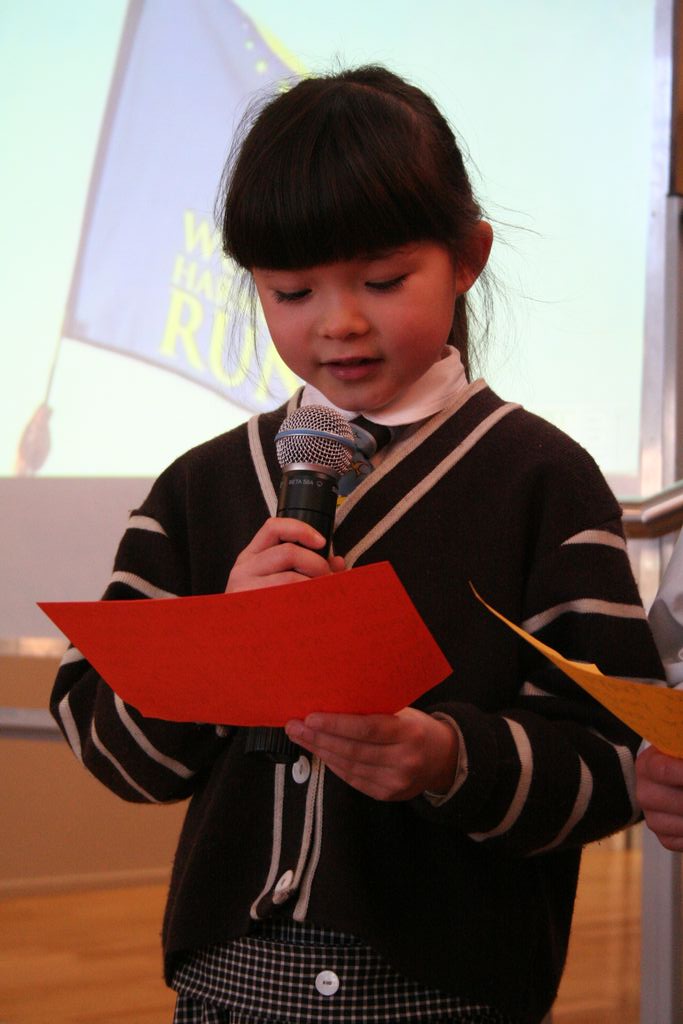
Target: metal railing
{"points": [[28, 724], [647, 518]]}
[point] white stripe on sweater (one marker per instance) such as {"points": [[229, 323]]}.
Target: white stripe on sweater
{"points": [[309, 821], [146, 746], [119, 767], [259, 459], [611, 540], [583, 606], [301, 909], [526, 761], [260, 465], [276, 833], [423, 487], [398, 451], [71, 655], [70, 727], [142, 586], [581, 804], [137, 522], [531, 690], [627, 762]]}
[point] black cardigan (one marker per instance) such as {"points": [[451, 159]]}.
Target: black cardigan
{"points": [[473, 894]]}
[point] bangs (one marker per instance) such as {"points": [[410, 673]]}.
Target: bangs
{"points": [[333, 174]]}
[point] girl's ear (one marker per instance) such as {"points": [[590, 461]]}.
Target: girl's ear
{"points": [[471, 263]]}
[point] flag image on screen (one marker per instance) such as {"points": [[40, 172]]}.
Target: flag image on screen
{"points": [[150, 281]]}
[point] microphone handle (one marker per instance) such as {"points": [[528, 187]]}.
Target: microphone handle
{"points": [[308, 493], [272, 744]]}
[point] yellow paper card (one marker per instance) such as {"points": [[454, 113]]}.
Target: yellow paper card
{"points": [[654, 712]]}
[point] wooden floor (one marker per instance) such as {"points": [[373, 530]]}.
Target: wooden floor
{"points": [[93, 957]]}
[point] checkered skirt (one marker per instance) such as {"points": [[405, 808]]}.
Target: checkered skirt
{"points": [[269, 977]]}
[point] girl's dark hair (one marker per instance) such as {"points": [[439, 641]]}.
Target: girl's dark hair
{"points": [[346, 165]]}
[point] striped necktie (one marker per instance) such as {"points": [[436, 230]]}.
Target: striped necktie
{"points": [[370, 437]]}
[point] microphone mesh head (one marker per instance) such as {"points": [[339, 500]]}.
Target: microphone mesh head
{"points": [[318, 435]]}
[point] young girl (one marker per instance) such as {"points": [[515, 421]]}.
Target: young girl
{"points": [[419, 866]]}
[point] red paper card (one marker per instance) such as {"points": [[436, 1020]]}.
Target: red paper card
{"points": [[351, 641]]}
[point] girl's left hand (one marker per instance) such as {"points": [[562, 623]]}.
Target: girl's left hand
{"points": [[387, 757]]}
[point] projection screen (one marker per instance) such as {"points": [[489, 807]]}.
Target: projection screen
{"points": [[117, 118]]}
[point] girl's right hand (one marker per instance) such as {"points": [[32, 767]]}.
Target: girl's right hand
{"points": [[283, 551]]}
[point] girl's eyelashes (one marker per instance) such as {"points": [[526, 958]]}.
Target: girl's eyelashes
{"points": [[391, 284], [281, 296], [387, 286]]}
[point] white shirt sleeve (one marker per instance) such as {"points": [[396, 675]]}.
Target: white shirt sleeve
{"points": [[666, 617]]}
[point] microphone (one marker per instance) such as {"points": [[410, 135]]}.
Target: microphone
{"points": [[314, 448]]}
